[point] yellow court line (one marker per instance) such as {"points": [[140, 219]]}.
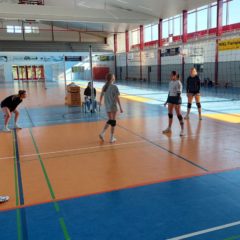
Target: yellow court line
{"points": [[224, 117], [221, 117], [126, 96]]}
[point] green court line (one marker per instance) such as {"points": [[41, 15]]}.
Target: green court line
{"points": [[64, 228], [19, 227], [232, 238], [56, 205]]}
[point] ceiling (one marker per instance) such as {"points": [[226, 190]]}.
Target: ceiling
{"points": [[106, 16]]}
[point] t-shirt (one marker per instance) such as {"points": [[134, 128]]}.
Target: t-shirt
{"points": [[11, 102], [175, 88], [110, 98], [193, 84]]}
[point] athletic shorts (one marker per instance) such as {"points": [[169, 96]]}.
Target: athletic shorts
{"points": [[174, 100], [193, 94]]}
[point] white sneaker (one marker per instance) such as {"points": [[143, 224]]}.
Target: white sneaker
{"points": [[17, 126], [167, 130], [113, 140], [182, 133], [101, 136], [6, 129], [4, 199]]}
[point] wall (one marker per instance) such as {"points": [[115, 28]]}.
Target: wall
{"points": [[198, 53], [53, 64]]}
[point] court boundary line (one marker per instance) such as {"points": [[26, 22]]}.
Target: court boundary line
{"points": [[165, 149], [126, 187], [21, 214], [76, 149], [205, 231], [52, 194]]}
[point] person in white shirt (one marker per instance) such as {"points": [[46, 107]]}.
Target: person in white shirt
{"points": [[174, 101]]}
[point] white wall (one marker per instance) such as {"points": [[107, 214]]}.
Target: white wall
{"points": [[53, 63], [45, 34]]}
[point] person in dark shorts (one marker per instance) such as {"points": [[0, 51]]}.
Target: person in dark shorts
{"points": [[9, 106], [193, 91], [174, 101], [111, 94]]}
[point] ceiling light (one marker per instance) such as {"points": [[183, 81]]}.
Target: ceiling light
{"points": [[121, 1], [82, 4], [146, 8]]}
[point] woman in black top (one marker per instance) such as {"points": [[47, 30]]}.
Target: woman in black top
{"points": [[9, 105], [88, 100], [193, 90]]}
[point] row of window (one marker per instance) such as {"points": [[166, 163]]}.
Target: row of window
{"points": [[19, 29], [199, 19]]}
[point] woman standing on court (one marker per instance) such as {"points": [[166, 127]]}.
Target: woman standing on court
{"points": [[9, 105], [193, 90], [174, 101], [111, 94]]}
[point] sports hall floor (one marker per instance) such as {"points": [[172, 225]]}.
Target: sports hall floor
{"points": [[64, 183]]}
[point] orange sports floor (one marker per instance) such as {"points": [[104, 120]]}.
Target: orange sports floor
{"points": [[60, 156]]}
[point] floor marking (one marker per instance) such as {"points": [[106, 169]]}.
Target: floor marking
{"points": [[76, 149], [205, 231], [21, 214], [165, 149]]}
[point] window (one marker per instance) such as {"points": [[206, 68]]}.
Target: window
{"points": [[27, 29], [234, 11], [177, 26], [225, 6], [14, 29], [148, 33], [213, 14], [10, 29], [170, 26], [191, 22], [165, 29], [155, 32], [135, 37], [31, 29], [35, 29], [202, 19], [18, 29]]}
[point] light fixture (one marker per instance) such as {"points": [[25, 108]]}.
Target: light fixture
{"points": [[121, 1], [146, 8]]}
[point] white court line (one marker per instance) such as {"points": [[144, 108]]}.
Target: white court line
{"points": [[75, 149], [205, 231]]}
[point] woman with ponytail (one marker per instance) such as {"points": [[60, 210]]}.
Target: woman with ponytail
{"points": [[111, 94]]}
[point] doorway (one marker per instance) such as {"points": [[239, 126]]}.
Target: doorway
{"points": [[28, 72]]}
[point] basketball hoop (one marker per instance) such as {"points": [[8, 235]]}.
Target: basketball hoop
{"points": [[183, 52]]}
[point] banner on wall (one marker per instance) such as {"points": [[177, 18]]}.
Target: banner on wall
{"points": [[103, 58], [230, 44], [134, 57], [77, 69], [3, 58], [170, 52], [149, 58], [73, 58]]}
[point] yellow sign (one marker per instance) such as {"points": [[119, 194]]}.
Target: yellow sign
{"points": [[230, 44]]}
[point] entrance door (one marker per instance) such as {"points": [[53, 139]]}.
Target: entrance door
{"points": [[29, 72]]}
